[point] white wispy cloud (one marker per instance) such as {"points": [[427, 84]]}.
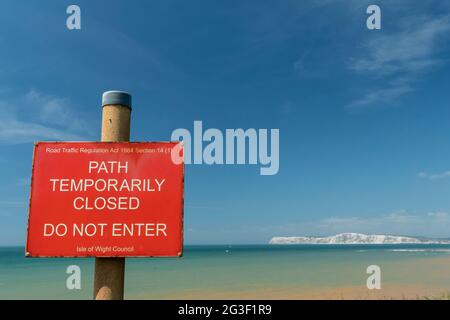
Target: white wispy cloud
{"points": [[411, 49], [35, 116], [54, 111], [397, 59], [386, 95], [439, 215], [434, 176], [400, 217]]}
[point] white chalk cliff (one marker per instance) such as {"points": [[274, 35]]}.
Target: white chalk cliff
{"points": [[356, 238]]}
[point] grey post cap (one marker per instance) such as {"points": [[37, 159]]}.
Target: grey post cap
{"points": [[116, 97]]}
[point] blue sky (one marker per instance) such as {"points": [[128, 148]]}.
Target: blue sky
{"points": [[363, 115]]}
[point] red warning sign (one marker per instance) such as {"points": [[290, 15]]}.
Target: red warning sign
{"points": [[106, 199]]}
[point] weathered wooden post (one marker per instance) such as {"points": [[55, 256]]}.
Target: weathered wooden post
{"points": [[109, 277]]}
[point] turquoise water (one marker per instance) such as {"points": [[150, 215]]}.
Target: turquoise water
{"points": [[238, 271]]}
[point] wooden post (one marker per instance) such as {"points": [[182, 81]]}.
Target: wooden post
{"points": [[109, 277]]}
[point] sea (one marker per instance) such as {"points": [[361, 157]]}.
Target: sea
{"points": [[245, 272]]}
